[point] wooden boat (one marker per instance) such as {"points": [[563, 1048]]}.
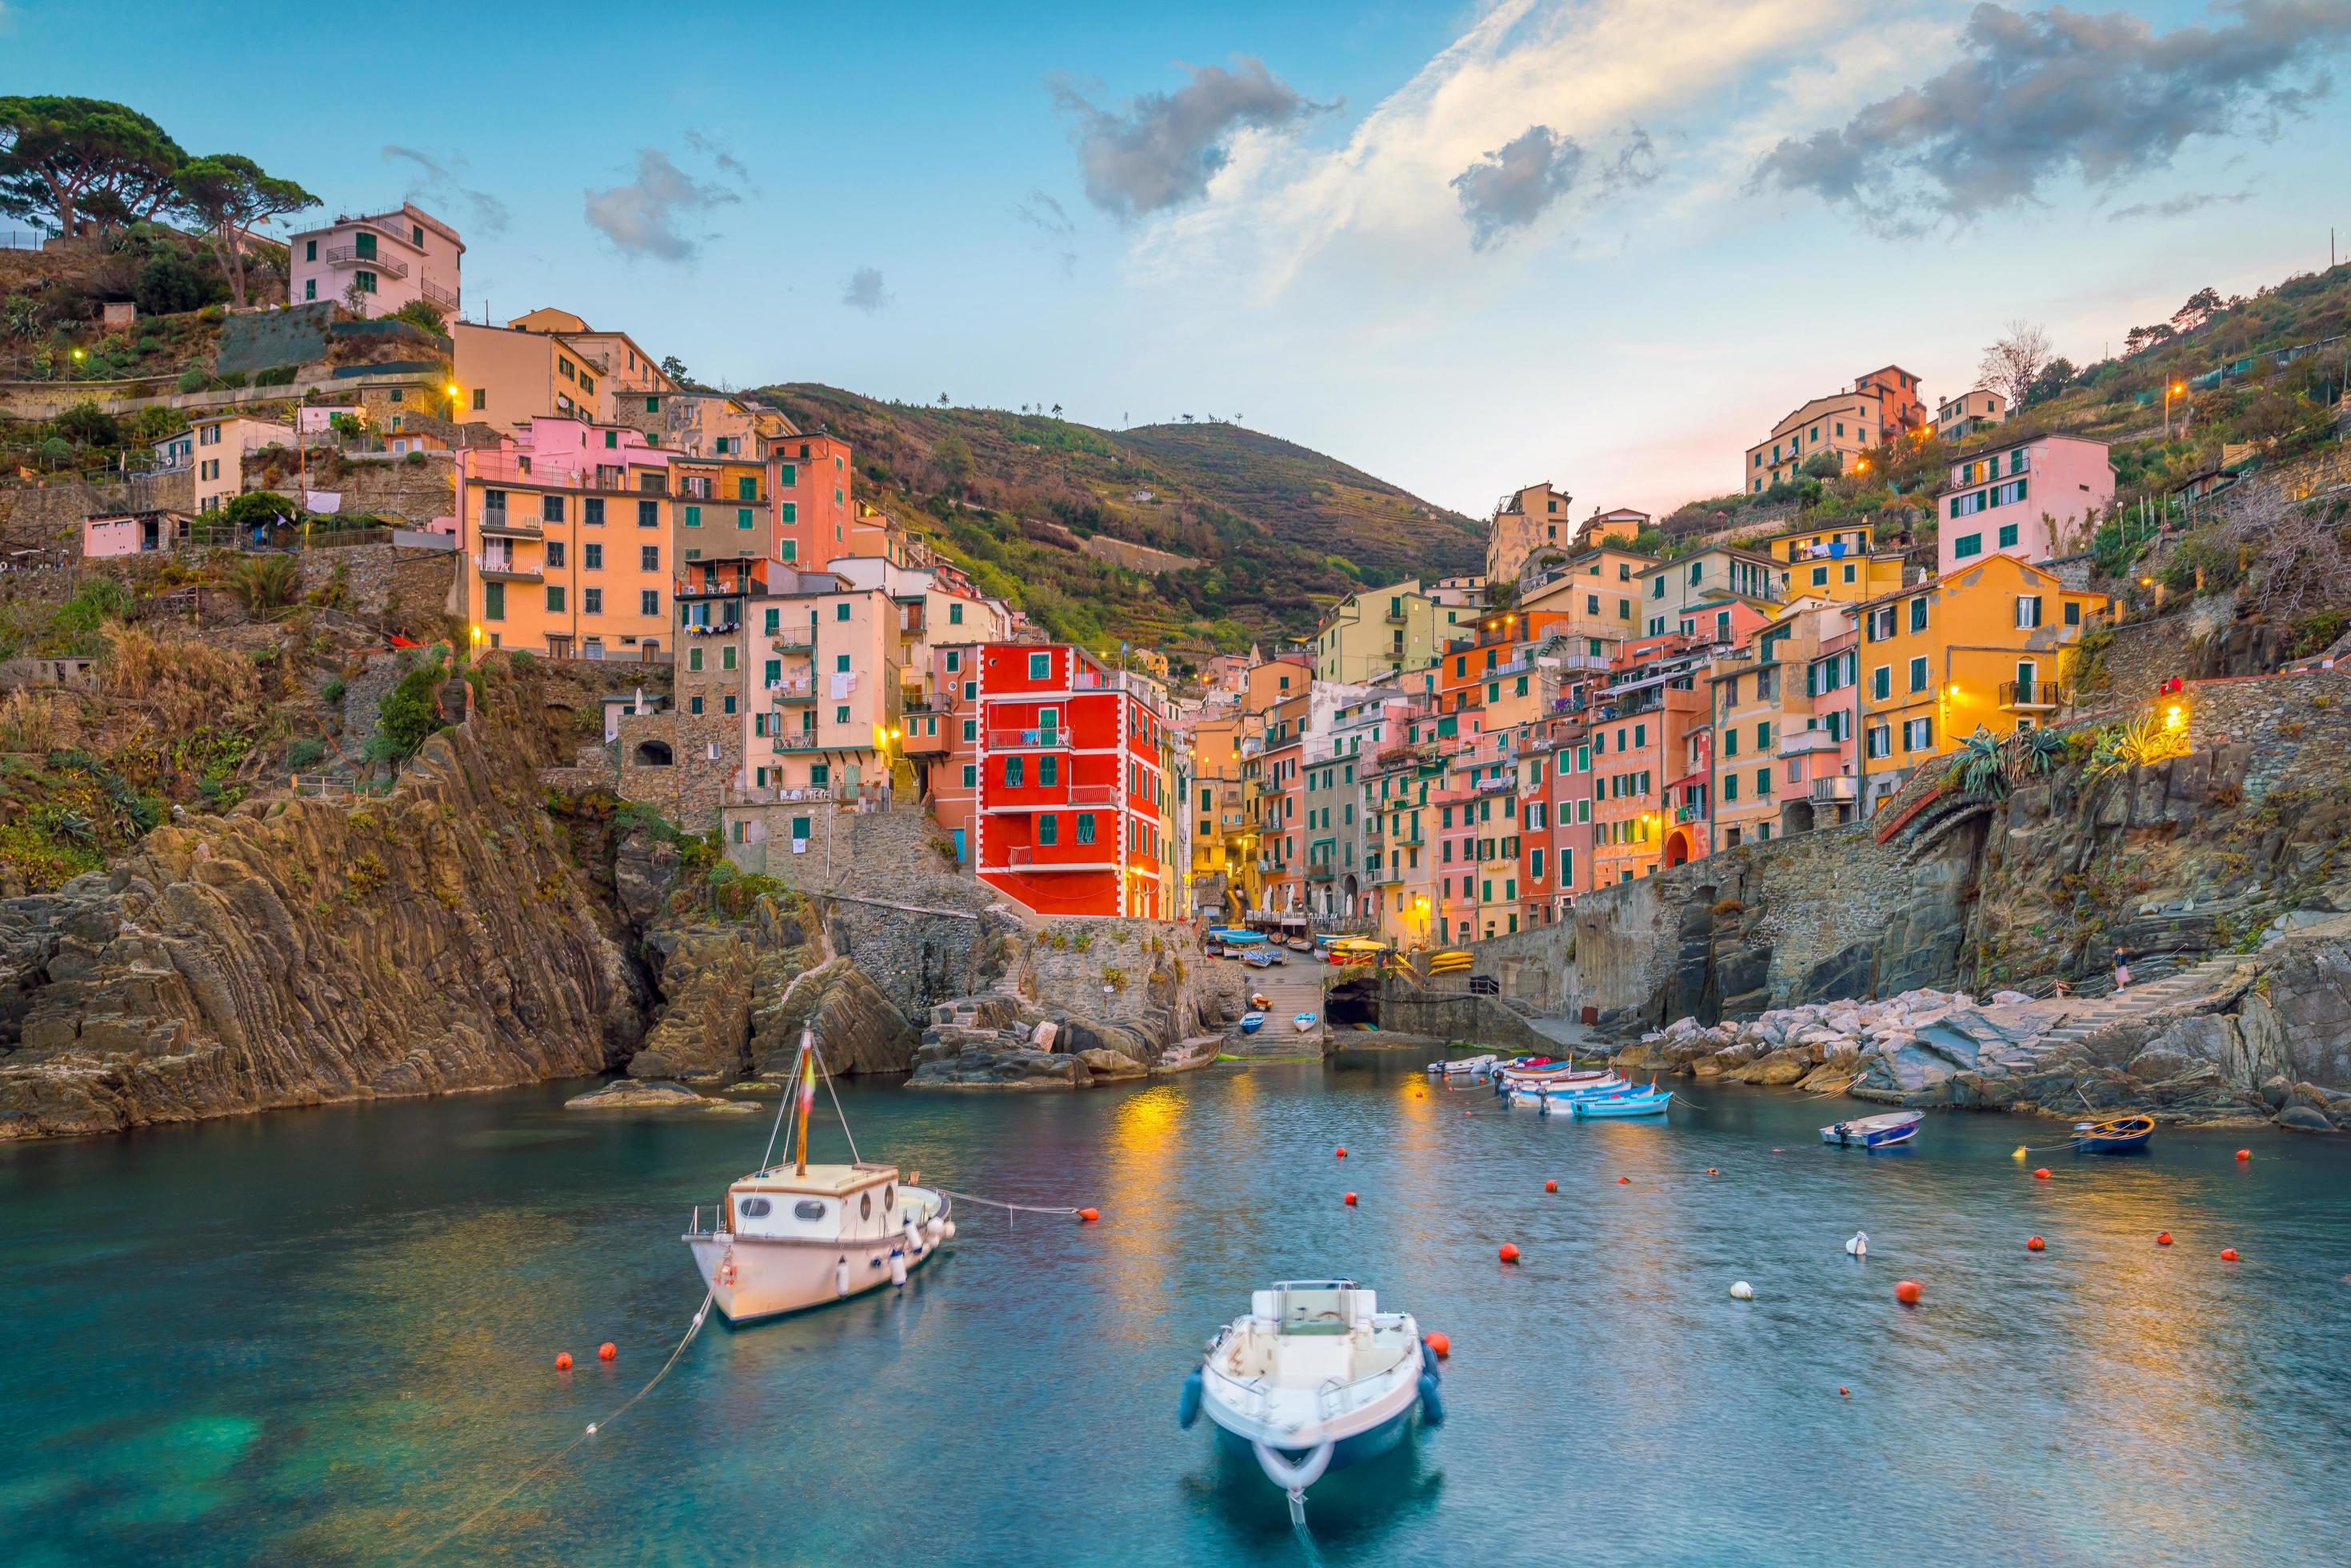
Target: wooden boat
{"points": [[1875, 1132], [1315, 1377], [796, 1235], [1303, 1022], [2114, 1135], [1652, 1102], [1299, 945], [1252, 1022], [1465, 1066]]}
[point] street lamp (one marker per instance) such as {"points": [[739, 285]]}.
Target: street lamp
{"points": [[2170, 391]]}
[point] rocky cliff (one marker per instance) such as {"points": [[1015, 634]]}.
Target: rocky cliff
{"points": [[437, 940]]}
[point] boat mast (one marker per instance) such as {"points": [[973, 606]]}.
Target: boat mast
{"points": [[808, 1098]]}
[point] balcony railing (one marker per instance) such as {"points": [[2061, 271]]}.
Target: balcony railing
{"points": [[777, 794], [1804, 742], [506, 567], [788, 690], [497, 528], [445, 297], [1041, 739], [1093, 794], [802, 740], [794, 640], [1025, 857], [2032, 696], [348, 255], [1839, 787]]}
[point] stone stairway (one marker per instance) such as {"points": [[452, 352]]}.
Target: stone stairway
{"points": [[2084, 1018], [1289, 989]]}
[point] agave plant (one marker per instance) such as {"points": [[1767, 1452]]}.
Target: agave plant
{"points": [[2034, 754], [1980, 773]]}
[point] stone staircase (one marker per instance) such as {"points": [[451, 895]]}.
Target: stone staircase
{"points": [[1289, 989], [2082, 1017]]}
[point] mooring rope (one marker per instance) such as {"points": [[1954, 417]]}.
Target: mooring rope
{"points": [[701, 1315]]}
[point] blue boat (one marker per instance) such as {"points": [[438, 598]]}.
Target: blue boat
{"points": [[2116, 1136], [1252, 1022], [1652, 1102], [1875, 1132]]}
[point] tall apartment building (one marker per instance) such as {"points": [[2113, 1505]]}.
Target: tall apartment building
{"points": [[1527, 524], [378, 262], [2034, 500]]}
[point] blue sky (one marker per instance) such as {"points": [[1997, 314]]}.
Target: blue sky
{"points": [[1466, 248]]}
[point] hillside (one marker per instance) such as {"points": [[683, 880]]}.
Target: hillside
{"points": [[1043, 510]]}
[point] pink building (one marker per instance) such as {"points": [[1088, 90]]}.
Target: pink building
{"points": [[2033, 501], [132, 533], [383, 261]]}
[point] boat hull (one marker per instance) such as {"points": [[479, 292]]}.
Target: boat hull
{"points": [[1351, 1450], [1874, 1132], [773, 1279]]}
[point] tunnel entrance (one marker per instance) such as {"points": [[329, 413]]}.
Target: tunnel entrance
{"points": [[1353, 1002]]}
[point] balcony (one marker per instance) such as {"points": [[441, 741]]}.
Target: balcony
{"points": [[2032, 696], [775, 795], [1394, 618], [506, 569], [341, 255], [1806, 742], [444, 297], [1840, 788], [805, 740], [497, 528], [1052, 739], [1320, 872], [1093, 794], [788, 690], [793, 640], [1024, 857]]}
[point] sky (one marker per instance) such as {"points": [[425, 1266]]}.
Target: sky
{"points": [[1464, 248]]}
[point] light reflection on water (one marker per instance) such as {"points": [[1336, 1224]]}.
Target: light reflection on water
{"points": [[328, 1336]]}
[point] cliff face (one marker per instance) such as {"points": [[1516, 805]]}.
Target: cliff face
{"points": [[434, 940]]}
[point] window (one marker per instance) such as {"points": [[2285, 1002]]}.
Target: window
{"points": [[693, 704], [1085, 827], [2007, 536], [970, 774], [954, 618], [1918, 614], [1881, 741], [840, 714], [1881, 682], [591, 510], [1040, 667], [1966, 545], [726, 656], [1049, 828], [648, 514], [550, 508], [1016, 772], [693, 660], [364, 281], [648, 556], [693, 517], [649, 602], [1730, 787], [592, 556], [743, 516], [309, 250], [592, 601], [791, 512], [1918, 674], [791, 474], [2072, 613], [1918, 734], [554, 600], [727, 704], [2028, 610]]}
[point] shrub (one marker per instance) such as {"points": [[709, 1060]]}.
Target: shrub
{"points": [[193, 380], [408, 716], [1728, 907], [333, 690], [168, 286], [307, 752], [150, 344], [265, 583], [90, 424], [185, 685], [277, 376], [56, 451], [230, 378], [422, 313]]}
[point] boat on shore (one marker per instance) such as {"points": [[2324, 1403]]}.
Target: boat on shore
{"points": [[1303, 1022], [1875, 1132], [1314, 1377], [2114, 1135], [791, 1237], [1251, 1022]]}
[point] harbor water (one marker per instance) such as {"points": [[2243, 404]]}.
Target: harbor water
{"points": [[329, 1336]]}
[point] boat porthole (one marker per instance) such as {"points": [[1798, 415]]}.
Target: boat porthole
{"points": [[808, 1208], [888, 1196], [865, 1207], [753, 1208]]}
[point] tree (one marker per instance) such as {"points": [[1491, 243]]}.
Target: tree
{"points": [[952, 456], [91, 424], [2052, 380], [1057, 411], [2197, 311], [2139, 338], [265, 583], [168, 286], [231, 195], [2013, 364], [423, 313], [63, 160], [256, 508]]}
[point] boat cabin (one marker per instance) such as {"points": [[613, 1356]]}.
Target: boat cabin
{"points": [[828, 1203]]}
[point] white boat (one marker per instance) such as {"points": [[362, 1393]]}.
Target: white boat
{"points": [[794, 1235], [1302, 1022], [1466, 1066], [1315, 1375]]}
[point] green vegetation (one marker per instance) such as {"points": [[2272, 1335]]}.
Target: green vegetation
{"points": [[409, 714]]}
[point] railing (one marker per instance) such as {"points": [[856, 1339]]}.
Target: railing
{"points": [[438, 295], [777, 794], [798, 641], [1026, 740], [1093, 794], [348, 255], [2032, 696], [803, 740], [788, 689], [506, 565], [1025, 855], [1839, 787], [1802, 742], [503, 529]]}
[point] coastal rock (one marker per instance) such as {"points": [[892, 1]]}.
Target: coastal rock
{"points": [[706, 978], [2300, 1118], [638, 1094], [862, 1029], [1110, 1065]]}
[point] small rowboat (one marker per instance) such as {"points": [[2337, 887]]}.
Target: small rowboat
{"points": [[2116, 1136], [1252, 1022], [1653, 1103], [1302, 1022], [1875, 1132], [1260, 1001], [1560, 1090], [1465, 1067], [1507, 1079]]}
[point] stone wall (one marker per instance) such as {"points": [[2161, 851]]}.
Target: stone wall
{"points": [[49, 516], [414, 488], [384, 577]]}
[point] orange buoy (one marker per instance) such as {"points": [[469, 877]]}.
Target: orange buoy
{"points": [[1438, 1343], [1624, 1181], [1351, 1200], [1843, 1392], [1088, 1215], [1509, 1253], [1420, 1093], [2228, 1254], [2163, 1238], [1711, 1171], [2034, 1244], [563, 1361], [1343, 1150], [2245, 1154], [1908, 1292], [607, 1351], [1550, 1187], [2040, 1174]]}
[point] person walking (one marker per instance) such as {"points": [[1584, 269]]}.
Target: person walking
{"points": [[2122, 970]]}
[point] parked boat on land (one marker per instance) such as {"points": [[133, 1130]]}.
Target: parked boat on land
{"points": [[791, 1237], [1303, 1022], [2114, 1135], [1315, 1377], [1251, 1022], [1875, 1132]]}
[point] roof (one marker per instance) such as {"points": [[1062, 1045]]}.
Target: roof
{"points": [[1804, 410], [834, 1180]]}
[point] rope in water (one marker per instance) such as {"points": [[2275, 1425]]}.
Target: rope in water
{"points": [[1000, 1203], [701, 1315]]}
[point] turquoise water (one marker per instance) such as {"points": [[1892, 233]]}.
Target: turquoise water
{"points": [[327, 1336]]}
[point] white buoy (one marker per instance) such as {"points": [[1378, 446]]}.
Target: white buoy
{"points": [[947, 1234], [841, 1278], [1742, 1291], [897, 1268], [937, 1227], [1859, 1245]]}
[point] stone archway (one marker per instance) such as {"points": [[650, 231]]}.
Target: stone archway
{"points": [[653, 754], [1677, 848]]}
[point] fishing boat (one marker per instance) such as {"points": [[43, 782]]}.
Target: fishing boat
{"points": [[1651, 1102], [1299, 945], [1251, 1022], [1875, 1132], [1592, 1081], [1465, 1066], [1302, 1022], [795, 1236], [1558, 1098], [1315, 1377], [1260, 957], [2114, 1135]]}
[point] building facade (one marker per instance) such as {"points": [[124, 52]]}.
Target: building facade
{"points": [[375, 263]]}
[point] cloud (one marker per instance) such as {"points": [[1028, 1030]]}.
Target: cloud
{"points": [[1052, 220], [2178, 207], [1510, 187], [863, 291], [2038, 95], [1161, 149], [725, 162], [643, 217], [438, 182]]}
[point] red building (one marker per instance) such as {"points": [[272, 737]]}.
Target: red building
{"points": [[815, 512], [1068, 766]]}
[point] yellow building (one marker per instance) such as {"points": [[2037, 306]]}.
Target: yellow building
{"points": [[564, 543], [1837, 561], [1984, 648], [1599, 591], [1527, 525], [1383, 632]]}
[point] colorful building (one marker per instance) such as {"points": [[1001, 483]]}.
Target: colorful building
{"points": [[1527, 525], [1840, 561], [2035, 500], [1701, 594], [377, 262], [1881, 406], [1968, 415], [1385, 632], [220, 443]]}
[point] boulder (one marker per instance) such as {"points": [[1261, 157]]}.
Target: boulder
{"points": [[861, 1030], [2301, 1118], [1110, 1065], [634, 1094]]}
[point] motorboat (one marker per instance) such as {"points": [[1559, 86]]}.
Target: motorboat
{"points": [[1573, 1087], [1315, 1377], [1651, 1101], [1303, 1022], [2114, 1135], [794, 1235], [1251, 1022], [1875, 1132], [1507, 1079], [1465, 1066]]}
